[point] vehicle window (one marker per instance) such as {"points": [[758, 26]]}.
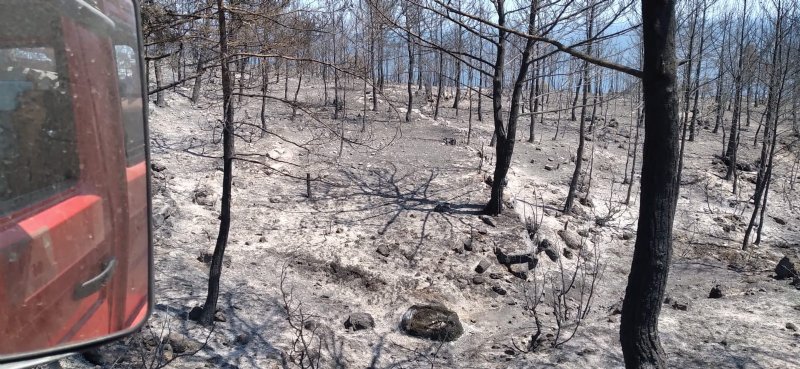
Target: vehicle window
{"points": [[38, 154], [130, 93]]}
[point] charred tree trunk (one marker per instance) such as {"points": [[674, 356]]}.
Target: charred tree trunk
{"points": [[210, 306], [647, 281], [573, 184], [506, 135]]}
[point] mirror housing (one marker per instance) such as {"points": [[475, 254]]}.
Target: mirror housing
{"points": [[75, 228]]}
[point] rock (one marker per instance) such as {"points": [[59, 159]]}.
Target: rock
{"points": [[716, 292], [242, 339], [483, 265], [519, 270], [791, 326], [495, 276], [181, 343], [786, 268], [779, 220], [626, 236], [359, 321], [549, 167], [204, 195], [157, 167], [499, 290], [548, 248], [468, 244], [567, 253], [434, 322], [488, 220], [478, 279], [219, 316], [262, 239], [508, 260], [571, 239], [677, 303], [384, 250]]}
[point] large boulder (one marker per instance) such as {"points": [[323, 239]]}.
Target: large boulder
{"points": [[434, 322], [787, 268]]}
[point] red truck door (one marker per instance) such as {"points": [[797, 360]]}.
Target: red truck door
{"points": [[63, 181]]}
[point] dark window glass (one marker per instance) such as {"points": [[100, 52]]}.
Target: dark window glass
{"points": [[38, 154], [130, 92]]}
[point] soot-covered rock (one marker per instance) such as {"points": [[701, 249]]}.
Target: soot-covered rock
{"points": [[434, 322]]}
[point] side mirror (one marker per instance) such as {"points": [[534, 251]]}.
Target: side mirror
{"points": [[75, 250]]}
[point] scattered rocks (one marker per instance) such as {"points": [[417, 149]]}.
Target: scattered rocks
{"points": [[548, 248], [488, 220], [434, 322], [483, 265], [571, 239], [791, 326], [716, 292], [478, 279], [384, 250], [786, 268], [499, 290], [509, 260], [359, 321]]}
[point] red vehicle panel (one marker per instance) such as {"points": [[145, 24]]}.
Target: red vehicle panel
{"points": [[74, 219]]}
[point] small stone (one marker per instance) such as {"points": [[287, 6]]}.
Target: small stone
{"points": [[626, 236], [384, 250], [791, 326], [181, 343], [495, 276], [548, 248], [219, 316], [488, 220], [262, 239], [509, 352], [483, 265], [468, 244], [499, 290], [549, 167], [359, 321], [156, 167], [478, 279], [567, 253], [571, 239], [716, 292]]}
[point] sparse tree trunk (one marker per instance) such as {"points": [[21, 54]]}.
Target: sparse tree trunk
{"points": [[198, 81], [160, 94], [573, 184], [647, 281], [210, 305]]}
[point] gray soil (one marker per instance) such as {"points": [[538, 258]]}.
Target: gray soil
{"points": [[381, 195]]}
